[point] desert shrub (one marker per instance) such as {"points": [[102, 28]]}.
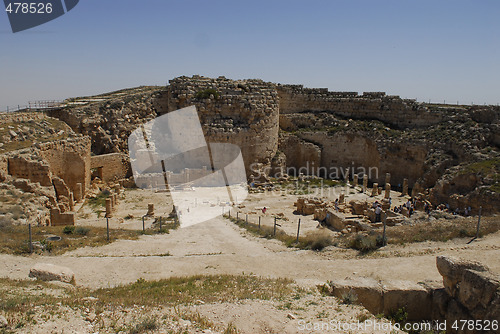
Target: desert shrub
{"points": [[366, 243], [316, 241], [82, 230], [99, 200], [349, 297], [5, 221], [145, 326], [68, 229], [205, 94], [17, 212]]}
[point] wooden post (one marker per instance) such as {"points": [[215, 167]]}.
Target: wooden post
{"points": [[259, 222], [107, 227], [30, 239], [237, 216], [160, 224], [274, 234], [478, 222], [143, 226], [246, 219], [383, 234], [298, 231], [229, 212]]}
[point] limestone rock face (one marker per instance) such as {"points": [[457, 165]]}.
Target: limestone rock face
{"points": [[50, 272], [452, 270], [471, 291], [368, 291]]}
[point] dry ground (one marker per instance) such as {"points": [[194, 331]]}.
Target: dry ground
{"points": [[219, 247]]}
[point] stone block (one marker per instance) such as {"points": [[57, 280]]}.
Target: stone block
{"points": [[368, 291], [50, 272], [414, 298]]}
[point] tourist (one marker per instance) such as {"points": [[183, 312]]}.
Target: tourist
{"points": [[378, 211], [264, 209], [337, 205]]}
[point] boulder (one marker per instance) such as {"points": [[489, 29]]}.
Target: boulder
{"points": [[368, 291], [50, 272], [452, 269], [477, 290]]}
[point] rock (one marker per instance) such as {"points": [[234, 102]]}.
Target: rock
{"points": [[291, 316], [3, 322], [50, 272], [90, 317], [452, 269], [59, 284], [368, 291], [414, 298], [440, 300], [477, 290], [12, 133]]}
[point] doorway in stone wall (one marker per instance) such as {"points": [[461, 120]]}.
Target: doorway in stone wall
{"points": [[96, 172]]}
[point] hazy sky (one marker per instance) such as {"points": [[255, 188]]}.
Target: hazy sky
{"points": [[437, 49]]}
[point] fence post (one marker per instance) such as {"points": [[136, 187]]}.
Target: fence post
{"points": [[478, 222], [160, 224], [246, 219], [107, 227], [30, 239], [143, 226], [259, 222], [298, 231], [237, 216], [383, 234], [274, 233], [229, 213]]}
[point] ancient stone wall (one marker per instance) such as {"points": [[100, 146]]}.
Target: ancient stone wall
{"points": [[18, 117], [244, 113], [31, 167], [300, 154], [342, 150], [69, 160], [111, 166], [377, 105]]}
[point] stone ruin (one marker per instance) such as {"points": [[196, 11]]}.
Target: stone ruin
{"points": [[59, 173], [468, 291]]}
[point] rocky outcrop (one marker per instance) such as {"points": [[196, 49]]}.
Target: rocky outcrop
{"points": [[471, 291], [50, 272]]}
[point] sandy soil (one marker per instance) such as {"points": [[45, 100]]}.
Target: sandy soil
{"points": [[218, 246]]}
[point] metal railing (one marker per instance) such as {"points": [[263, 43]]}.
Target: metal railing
{"points": [[36, 105]]}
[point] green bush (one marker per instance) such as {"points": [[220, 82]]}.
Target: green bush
{"points": [[349, 297], [205, 94], [82, 230], [68, 229]]}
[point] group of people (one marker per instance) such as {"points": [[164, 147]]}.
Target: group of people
{"points": [[409, 205]]}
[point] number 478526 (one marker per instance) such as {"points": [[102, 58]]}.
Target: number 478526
{"points": [[29, 8]]}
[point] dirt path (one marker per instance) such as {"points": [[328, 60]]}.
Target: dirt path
{"points": [[220, 247]]}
